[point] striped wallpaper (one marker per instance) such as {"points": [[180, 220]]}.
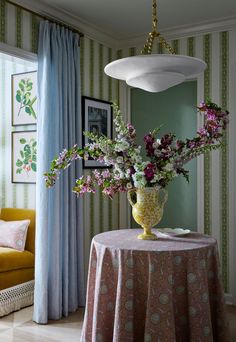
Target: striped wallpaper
{"points": [[19, 29], [11, 195], [101, 214], [215, 50]]}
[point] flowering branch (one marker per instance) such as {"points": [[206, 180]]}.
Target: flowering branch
{"points": [[167, 155]]}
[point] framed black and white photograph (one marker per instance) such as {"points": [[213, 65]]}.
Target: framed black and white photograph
{"points": [[24, 98], [24, 157], [97, 118]]}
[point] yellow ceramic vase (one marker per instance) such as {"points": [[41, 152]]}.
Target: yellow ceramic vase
{"points": [[147, 208]]}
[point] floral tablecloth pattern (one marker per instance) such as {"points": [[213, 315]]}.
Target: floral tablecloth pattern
{"points": [[154, 291]]}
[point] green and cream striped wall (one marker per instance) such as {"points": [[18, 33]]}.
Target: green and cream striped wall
{"points": [[18, 29], [216, 50], [100, 213], [11, 195]]}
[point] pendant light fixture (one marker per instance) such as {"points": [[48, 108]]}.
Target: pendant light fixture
{"points": [[155, 72]]}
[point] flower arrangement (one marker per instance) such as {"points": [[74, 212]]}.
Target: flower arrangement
{"points": [[167, 155]]}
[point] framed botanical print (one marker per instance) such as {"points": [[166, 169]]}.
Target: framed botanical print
{"points": [[24, 98], [97, 118], [24, 157]]}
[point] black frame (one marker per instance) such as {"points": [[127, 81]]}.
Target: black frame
{"points": [[90, 164]]}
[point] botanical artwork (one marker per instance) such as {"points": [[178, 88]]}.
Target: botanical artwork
{"points": [[24, 98], [24, 157], [97, 119]]}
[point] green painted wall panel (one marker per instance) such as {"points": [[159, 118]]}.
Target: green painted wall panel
{"points": [[175, 109]]}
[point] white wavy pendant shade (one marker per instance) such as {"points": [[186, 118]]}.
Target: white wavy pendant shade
{"points": [[156, 81], [155, 73]]}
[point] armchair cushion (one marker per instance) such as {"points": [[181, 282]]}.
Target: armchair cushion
{"points": [[13, 234], [14, 214], [11, 259], [15, 267]]}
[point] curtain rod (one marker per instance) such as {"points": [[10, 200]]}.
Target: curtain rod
{"points": [[45, 17]]}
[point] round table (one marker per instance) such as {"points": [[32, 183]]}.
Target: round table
{"points": [[151, 291]]}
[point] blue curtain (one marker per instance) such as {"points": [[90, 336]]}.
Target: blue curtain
{"points": [[59, 280]]}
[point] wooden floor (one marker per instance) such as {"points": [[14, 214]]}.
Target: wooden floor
{"points": [[18, 327]]}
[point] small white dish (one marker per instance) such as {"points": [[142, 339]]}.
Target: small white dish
{"points": [[174, 231]]}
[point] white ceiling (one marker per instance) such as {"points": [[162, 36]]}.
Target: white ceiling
{"points": [[126, 19]]}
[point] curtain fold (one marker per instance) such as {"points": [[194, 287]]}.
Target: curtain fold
{"points": [[59, 271]]}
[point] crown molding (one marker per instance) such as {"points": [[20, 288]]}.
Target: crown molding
{"points": [[96, 33], [224, 24], [89, 30]]}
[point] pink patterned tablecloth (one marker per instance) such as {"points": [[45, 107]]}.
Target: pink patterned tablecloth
{"points": [[154, 291]]}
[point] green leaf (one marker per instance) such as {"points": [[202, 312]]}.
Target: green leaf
{"points": [[156, 130], [34, 157], [33, 101], [26, 161], [106, 183], [22, 85], [19, 163], [34, 167], [22, 140], [27, 157], [33, 112], [29, 86], [18, 171], [28, 110], [27, 148], [22, 154], [18, 98], [29, 83], [34, 144], [27, 98], [27, 153]]}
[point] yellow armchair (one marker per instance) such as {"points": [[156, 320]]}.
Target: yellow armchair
{"points": [[17, 267]]}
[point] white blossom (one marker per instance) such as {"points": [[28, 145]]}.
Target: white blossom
{"points": [[139, 180], [157, 153], [168, 167], [156, 143], [107, 160], [157, 177], [119, 160], [121, 146], [137, 159]]}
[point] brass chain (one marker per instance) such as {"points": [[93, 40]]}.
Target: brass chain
{"points": [[154, 16], [147, 49]]}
